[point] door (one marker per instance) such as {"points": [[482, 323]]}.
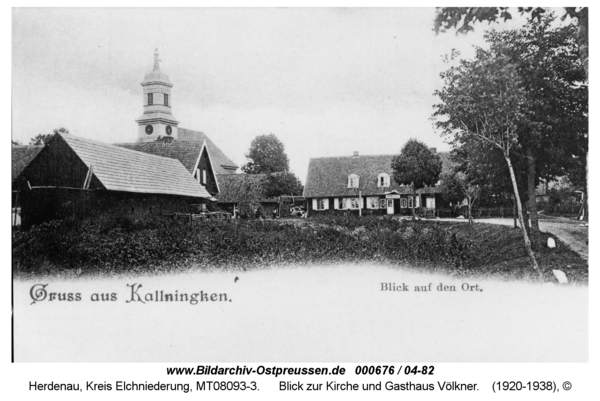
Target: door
{"points": [[430, 203], [390, 206]]}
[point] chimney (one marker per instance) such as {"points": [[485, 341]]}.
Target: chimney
{"points": [[356, 153], [433, 150]]}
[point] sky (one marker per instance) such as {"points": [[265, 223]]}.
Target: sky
{"points": [[326, 81]]}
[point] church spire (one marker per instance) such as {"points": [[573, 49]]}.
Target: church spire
{"points": [[156, 60]]}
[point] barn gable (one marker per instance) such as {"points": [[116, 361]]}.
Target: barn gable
{"points": [[204, 171], [21, 157]]}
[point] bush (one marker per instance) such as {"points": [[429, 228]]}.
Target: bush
{"points": [[122, 243]]}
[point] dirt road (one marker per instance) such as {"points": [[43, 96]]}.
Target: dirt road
{"points": [[567, 230]]}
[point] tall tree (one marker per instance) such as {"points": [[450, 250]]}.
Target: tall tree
{"points": [[482, 100], [553, 132], [416, 166], [42, 139], [266, 155]]}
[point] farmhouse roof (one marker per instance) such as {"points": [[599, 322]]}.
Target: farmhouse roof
{"points": [[120, 169], [236, 188], [22, 155], [328, 176]]}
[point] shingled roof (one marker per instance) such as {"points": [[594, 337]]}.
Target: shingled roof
{"points": [[328, 176], [186, 152], [21, 156], [222, 164], [120, 169], [236, 188]]}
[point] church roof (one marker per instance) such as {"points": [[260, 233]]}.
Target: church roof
{"points": [[187, 150], [120, 169], [222, 164], [22, 155], [328, 176]]}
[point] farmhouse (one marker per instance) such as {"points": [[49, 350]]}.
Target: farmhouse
{"points": [[353, 183], [72, 176]]}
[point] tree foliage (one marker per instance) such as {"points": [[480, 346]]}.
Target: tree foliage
{"points": [[283, 184], [456, 187], [463, 19], [266, 155], [416, 165], [42, 139]]}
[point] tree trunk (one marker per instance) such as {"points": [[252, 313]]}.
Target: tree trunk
{"points": [[520, 214], [586, 210], [469, 208], [413, 202], [535, 225], [514, 209]]}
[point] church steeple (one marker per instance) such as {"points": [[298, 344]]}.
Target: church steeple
{"points": [[156, 60], [157, 119]]}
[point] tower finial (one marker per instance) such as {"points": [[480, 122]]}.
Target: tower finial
{"points": [[156, 60]]}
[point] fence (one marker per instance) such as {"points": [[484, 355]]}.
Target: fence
{"points": [[507, 212]]}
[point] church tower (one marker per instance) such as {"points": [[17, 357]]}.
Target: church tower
{"points": [[157, 120]]}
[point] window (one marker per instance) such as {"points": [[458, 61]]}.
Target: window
{"points": [[373, 202], [150, 99], [383, 180], [403, 203], [321, 204], [166, 99], [352, 181], [382, 203], [350, 203], [410, 202], [204, 176]]}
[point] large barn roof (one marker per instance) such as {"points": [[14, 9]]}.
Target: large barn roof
{"points": [[120, 169], [186, 152], [22, 156], [328, 176]]}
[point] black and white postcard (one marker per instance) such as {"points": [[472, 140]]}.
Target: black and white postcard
{"points": [[302, 185]]}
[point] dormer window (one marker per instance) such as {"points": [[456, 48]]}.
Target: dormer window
{"points": [[352, 181], [383, 180], [150, 99]]}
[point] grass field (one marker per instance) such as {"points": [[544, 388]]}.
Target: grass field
{"points": [[122, 246]]}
